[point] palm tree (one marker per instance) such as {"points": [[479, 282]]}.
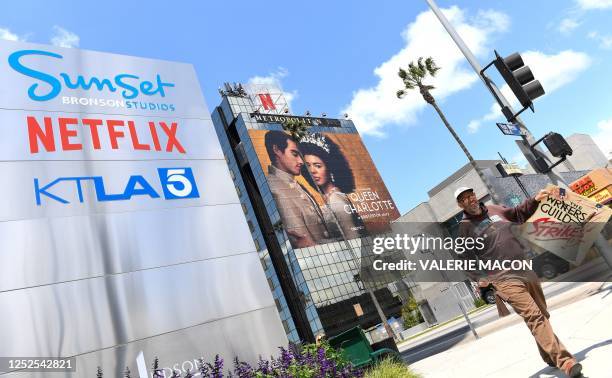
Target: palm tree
{"points": [[413, 78], [297, 129]]}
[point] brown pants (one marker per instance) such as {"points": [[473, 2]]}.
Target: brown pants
{"points": [[527, 299]]}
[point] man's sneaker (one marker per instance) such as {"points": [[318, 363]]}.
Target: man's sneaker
{"points": [[574, 371]]}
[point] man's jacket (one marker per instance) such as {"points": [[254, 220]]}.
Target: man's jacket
{"points": [[497, 226]]}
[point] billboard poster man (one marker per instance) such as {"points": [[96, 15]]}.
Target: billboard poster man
{"points": [[299, 212]]}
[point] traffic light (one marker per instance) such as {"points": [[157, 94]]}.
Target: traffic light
{"points": [[520, 78], [557, 145]]}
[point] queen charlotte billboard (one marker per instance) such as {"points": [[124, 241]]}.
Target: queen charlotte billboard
{"points": [[325, 186], [114, 181]]}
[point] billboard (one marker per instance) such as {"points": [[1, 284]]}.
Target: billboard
{"points": [[326, 187], [114, 182]]}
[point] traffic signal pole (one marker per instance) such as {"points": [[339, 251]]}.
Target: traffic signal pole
{"points": [[527, 138]]}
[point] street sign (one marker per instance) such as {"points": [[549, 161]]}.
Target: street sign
{"points": [[512, 169], [510, 129]]}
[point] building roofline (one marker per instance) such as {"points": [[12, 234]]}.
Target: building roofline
{"points": [[460, 173]]}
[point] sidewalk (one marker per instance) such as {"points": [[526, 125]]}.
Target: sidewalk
{"points": [[589, 273], [584, 326]]}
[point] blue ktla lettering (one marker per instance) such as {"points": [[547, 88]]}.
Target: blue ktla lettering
{"points": [[130, 190], [136, 186], [176, 183], [129, 90]]}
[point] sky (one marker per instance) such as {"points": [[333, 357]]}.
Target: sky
{"points": [[343, 56]]}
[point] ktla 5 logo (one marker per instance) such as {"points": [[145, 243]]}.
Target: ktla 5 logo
{"points": [[176, 183]]}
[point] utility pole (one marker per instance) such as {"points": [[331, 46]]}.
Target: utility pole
{"points": [[527, 138], [454, 291]]}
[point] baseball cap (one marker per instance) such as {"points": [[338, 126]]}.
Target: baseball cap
{"points": [[461, 190]]}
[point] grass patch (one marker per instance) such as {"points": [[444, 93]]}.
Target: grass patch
{"points": [[391, 368], [473, 311]]}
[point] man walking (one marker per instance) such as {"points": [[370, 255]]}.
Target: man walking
{"points": [[521, 289], [301, 215]]}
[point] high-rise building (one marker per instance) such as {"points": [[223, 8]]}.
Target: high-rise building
{"points": [[586, 153], [311, 206]]}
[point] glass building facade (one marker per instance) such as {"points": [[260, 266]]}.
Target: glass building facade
{"points": [[316, 288]]}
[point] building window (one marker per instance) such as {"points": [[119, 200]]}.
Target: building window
{"points": [[278, 305]]}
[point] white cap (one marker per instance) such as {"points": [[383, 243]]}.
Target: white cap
{"points": [[461, 190]]}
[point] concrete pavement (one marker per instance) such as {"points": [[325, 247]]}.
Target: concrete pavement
{"points": [[506, 348], [486, 321], [442, 338]]}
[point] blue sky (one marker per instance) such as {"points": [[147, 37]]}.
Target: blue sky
{"points": [[343, 56]]}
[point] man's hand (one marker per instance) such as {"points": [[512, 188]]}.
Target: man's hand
{"points": [[555, 193], [300, 240]]}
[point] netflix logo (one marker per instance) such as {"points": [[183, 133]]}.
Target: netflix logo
{"points": [[67, 134]]}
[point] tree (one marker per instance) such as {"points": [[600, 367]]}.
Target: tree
{"points": [[411, 314], [413, 79]]}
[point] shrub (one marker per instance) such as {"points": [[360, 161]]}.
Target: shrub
{"points": [[479, 302], [391, 368], [309, 361], [411, 314]]}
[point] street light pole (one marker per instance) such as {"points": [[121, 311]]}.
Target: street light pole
{"points": [[528, 140], [460, 303], [453, 290]]}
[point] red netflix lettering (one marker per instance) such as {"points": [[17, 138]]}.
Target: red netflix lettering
{"points": [[35, 133], [66, 134], [93, 130], [135, 143], [73, 134], [172, 141], [114, 134], [154, 136]]}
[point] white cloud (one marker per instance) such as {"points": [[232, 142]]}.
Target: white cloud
{"points": [[605, 41], [594, 4], [64, 38], [520, 159], [374, 108], [272, 81], [8, 35], [603, 137], [568, 25], [553, 72]]}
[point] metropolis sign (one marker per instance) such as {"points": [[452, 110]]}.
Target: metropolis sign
{"points": [[308, 121]]}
